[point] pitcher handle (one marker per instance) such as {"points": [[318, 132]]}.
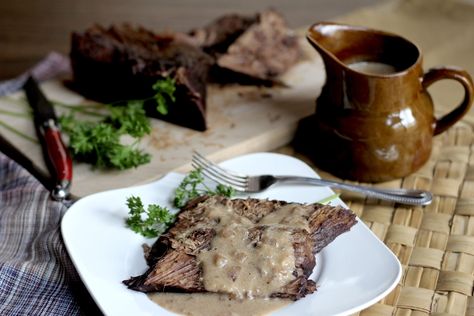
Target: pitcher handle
{"points": [[465, 80]]}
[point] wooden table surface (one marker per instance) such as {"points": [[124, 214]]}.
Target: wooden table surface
{"points": [[29, 29]]}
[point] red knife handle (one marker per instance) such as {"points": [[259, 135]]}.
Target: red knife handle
{"points": [[59, 159]]}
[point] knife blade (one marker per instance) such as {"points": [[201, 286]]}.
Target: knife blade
{"points": [[55, 153]]}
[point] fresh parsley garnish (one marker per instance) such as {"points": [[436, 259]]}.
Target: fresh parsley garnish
{"points": [[100, 143], [164, 93], [130, 118], [149, 222], [193, 186], [154, 220]]}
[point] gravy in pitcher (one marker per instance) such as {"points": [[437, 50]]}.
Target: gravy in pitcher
{"points": [[373, 67]]}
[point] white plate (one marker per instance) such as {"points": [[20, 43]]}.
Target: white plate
{"points": [[353, 272]]}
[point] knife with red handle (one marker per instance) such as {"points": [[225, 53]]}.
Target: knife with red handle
{"points": [[56, 155]]}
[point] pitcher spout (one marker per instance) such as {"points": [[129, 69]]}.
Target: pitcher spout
{"points": [[348, 44], [326, 38]]}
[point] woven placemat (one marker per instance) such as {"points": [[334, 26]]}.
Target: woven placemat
{"points": [[435, 243]]}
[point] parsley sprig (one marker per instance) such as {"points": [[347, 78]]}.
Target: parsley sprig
{"points": [[154, 220], [164, 93], [193, 186], [149, 222], [100, 143]]}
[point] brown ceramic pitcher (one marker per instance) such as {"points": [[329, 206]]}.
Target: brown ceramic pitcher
{"points": [[374, 119]]}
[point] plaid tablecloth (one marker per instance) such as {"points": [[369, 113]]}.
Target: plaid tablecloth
{"points": [[36, 275]]}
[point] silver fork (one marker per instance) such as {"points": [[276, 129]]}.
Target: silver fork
{"points": [[252, 184]]}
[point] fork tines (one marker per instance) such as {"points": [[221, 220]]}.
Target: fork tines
{"points": [[218, 174]]}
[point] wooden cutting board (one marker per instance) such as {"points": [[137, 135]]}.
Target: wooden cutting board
{"points": [[241, 119]]}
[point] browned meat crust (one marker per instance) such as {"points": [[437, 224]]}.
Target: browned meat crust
{"points": [[173, 263], [249, 49], [216, 37], [265, 50], [123, 62]]}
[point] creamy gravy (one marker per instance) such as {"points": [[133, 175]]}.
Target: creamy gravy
{"points": [[290, 216], [247, 260], [373, 67], [209, 304]]}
